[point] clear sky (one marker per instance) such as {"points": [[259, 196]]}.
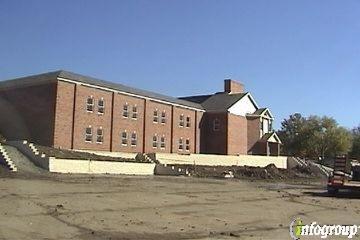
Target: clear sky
{"points": [[293, 56]]}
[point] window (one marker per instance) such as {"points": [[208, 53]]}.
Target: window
{"points": [[270, 126], [124, 140], [181, 144], [181, 122], [101, 106], [155, 143], [188, 122], [163, 117], [187, 144], [126, 110], [156, 117], [133, 139], [88, 134], [216, 125], [162, 142], [90, 104], [134, 112], [100, 135]]}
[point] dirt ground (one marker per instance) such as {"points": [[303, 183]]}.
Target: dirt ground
{"points": [[127, 207]]}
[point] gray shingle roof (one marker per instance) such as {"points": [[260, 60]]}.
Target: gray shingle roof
{"points": [[51, 76], [259, 111], [196, 99], [222, 101], [217, 102]]}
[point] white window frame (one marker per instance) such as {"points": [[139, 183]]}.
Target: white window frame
{"points": [[133, 141], [181, 120], [188, 121], [163, 142], [90, 135], [124, 140], [163, 117], [101, 109], [156, 116], [216, 125], [125, 113], [90, 105], [134, 113], [181, 144], [100, 136], [155, 141], [187, 144]]}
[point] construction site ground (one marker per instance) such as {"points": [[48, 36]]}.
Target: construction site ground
{"points": [[63, 206]]}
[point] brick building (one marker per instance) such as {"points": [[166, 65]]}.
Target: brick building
{"points": [[67, 110]]}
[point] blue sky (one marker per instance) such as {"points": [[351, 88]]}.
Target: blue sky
{"points": [[293, 56]]}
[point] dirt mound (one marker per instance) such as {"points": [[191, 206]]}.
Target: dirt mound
{"points": [[70, 154], [246, 172]]}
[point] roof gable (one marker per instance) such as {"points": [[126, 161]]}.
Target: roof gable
{"points": [[271, 137], [244, 106], [222, 101], [263, 112]]}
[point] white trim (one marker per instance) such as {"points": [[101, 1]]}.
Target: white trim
{"points": [[252, 99], [129, 94], [276, 137], [243, 106]]}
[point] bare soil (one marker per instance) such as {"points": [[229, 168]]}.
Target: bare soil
{"points": [[71, 154], [65, 206]]}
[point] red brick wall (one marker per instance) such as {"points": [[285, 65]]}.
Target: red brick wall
{"points": [[199, 117], [113, 122], [83, 118], [28, 113], [237, 135], [129, 124], [214, 142], [183, 132], [64, 115], [253, 132], [55, 114], [159, 129], [232, 86]]}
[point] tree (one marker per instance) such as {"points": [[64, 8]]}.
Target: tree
{"points": [[290, 134], [355, 151], [314, 137]]}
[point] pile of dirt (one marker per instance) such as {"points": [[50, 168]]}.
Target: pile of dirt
{"points": [[70, 154], [246, 172]]}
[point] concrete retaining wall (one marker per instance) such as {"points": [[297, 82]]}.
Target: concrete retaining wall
{"points": [[222, 160], [100, 167], [208, 159]]}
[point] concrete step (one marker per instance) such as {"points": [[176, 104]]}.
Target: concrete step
{"points": [[10, 164], [21, 162]]}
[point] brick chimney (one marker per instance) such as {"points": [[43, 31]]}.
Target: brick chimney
{"points": [[232, 86]]}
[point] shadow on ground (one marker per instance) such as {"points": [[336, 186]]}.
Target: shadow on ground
{"points": [[341, 194]]}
